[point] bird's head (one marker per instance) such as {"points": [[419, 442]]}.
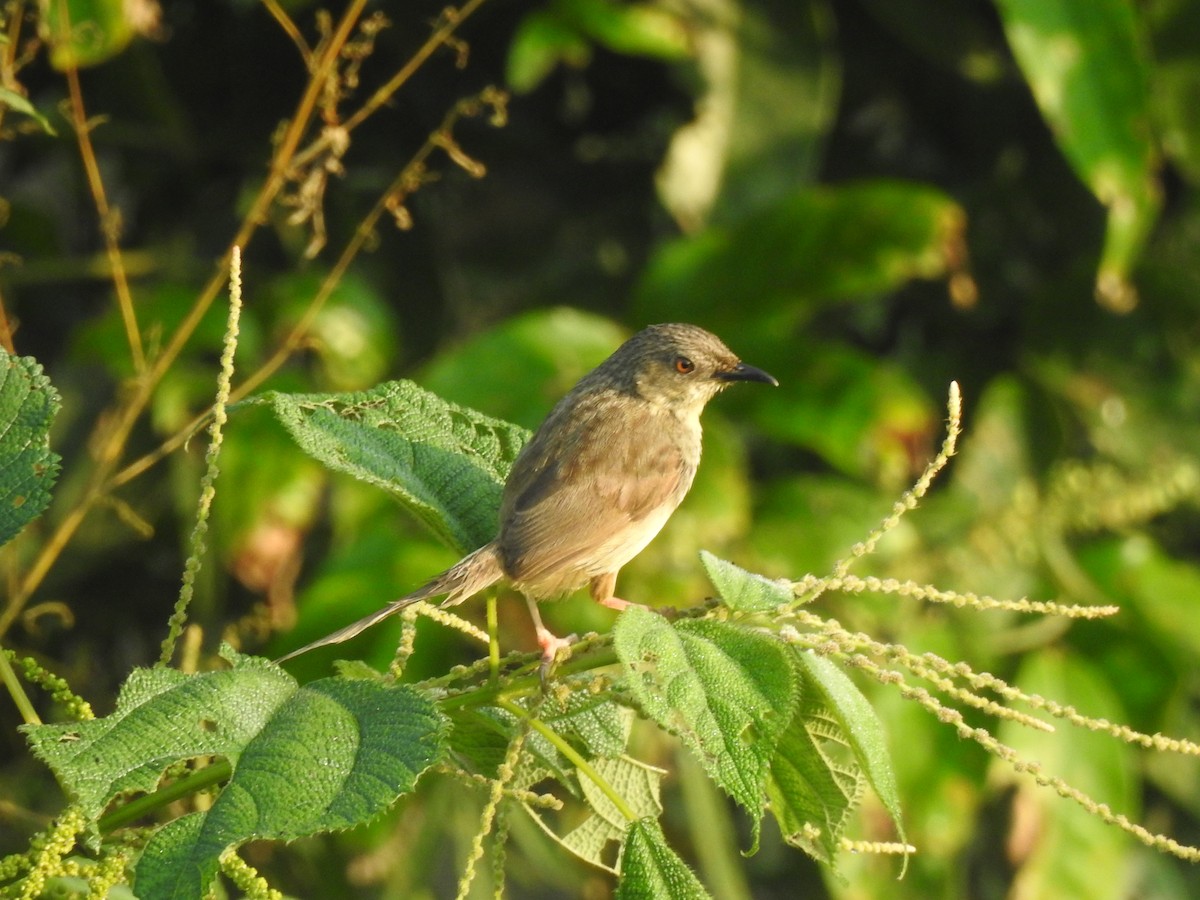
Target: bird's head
{"points": [[678, 365]]}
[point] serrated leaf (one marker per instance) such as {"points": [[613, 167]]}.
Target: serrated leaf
{"points": [[638, 785], [1084, 63], [481, 738], [742, 590], [326, 756], [28, 468], [599, 726], [651, 870], [727, 691], [813, 788], [446, 463], [859, 725], [636, 782]]}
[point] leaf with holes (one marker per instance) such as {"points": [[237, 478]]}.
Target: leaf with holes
{"points": [[815, 784], [859, 726], [446, 463], [726, 690], [637, 784], [323, 757]]}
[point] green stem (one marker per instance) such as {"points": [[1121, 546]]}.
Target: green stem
{"points": [[148, 803], [493, 626], [524, 684], [17, 691], [573, 755]]}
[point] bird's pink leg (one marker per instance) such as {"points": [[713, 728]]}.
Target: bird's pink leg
{"points": [[602, 588], [550, 643]]}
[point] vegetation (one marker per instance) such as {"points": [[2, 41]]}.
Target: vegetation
{"points": [[283, 288]]}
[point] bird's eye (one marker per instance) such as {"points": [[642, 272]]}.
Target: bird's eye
{"points": [[683, 365]]}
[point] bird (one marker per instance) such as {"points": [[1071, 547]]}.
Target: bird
{"points": [[597, 481]]}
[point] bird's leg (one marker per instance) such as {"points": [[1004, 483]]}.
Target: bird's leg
{"points": [[550, 643], [602, 588]]}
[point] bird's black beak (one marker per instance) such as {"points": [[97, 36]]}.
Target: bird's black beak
{"points": [[743, 372]]}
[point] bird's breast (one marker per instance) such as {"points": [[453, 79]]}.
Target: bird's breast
{"points": [[607, 480]]}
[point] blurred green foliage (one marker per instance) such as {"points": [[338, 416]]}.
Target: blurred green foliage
{"points": [[868, 198]]}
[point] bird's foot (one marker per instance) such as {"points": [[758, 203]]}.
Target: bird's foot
{"points": [[552, 647]]}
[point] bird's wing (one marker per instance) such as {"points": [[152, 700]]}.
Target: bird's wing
{"points": [[597, 487]]}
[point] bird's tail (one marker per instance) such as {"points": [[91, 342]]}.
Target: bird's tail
{"points": [[467, 577]]}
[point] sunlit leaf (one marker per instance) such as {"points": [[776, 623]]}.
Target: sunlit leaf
{"points": [[815, 784], [562, 32], [726, 690], [651, 870], [742, 590], [859, 725], [1084, 62], [446, 463], [541, 42], [1092, 762], [865, 417], [530, 362], [326, 756], [637, 784]]}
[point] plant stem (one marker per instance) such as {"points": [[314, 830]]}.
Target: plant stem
{"points": [[573, 755], [147, 803]]}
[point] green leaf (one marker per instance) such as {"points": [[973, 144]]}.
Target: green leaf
{"points": [[532, 360], [446, 463], [18, 103], [861, 414], [635, 29], [812, 783], [830, 512], [354, 335], [1103, 768], [593, 721], [86, 32], [726, 690], [542, 41], [744, 591], [594, 724], [1084, 63], [326, 756], [860, 726], [650, 870], [28, 468], [564, 30], [1144, 579], [481, 736], [638, 785], [813, 246], [739, 153]]}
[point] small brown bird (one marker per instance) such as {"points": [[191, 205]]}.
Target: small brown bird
{"points": [[597, 481]]}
